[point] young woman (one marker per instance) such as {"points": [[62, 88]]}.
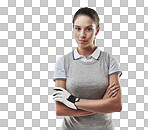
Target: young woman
{"points": [[87, 88]]}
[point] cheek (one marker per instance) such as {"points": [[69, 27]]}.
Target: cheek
{"points": [[76, 34], [90, 36]]}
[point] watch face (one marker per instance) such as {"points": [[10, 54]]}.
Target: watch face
{"points": [[77, 99]]}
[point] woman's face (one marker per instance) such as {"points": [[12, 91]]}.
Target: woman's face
{"points": [[84, 31]]}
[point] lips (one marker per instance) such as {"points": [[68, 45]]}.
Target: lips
{"points": [[82, 40]]}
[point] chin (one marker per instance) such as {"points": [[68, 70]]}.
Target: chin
{"points": [[83, 45]]}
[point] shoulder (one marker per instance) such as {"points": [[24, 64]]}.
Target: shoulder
{"points": [[113, 63], [68, 55], [114, 66], [59, 72], [60, 67], [105, 56], [62, 58], [110, 56]]}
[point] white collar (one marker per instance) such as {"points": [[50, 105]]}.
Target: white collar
{"points": [[95, 54]]}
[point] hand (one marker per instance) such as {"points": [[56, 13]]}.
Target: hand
{"points": [[111, 91], [65, 97]]}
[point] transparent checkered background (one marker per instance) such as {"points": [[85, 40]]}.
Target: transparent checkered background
{"points": [[35, 33]]}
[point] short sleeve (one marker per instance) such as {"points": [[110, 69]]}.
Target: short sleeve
{"points": [[114, 66], [59, 71]]}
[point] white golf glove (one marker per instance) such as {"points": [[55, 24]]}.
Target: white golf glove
{"points": [[65, 97]]}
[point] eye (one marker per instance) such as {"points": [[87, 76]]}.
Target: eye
{"points": [[89, 29], [77, 29]]}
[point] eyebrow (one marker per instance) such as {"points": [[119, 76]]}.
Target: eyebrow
{"points": [[86, 26]]}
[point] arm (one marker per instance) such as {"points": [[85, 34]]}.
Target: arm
{"points": [[105, 105], [63, 110]]}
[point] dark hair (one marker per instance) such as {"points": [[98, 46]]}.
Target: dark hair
{"points": [[89, 12]]}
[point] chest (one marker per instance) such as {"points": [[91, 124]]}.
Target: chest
{"points": [[87, 81]]}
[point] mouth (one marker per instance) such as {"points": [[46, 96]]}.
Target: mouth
{"points": [[82, 41]]}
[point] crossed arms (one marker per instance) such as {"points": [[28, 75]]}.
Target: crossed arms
{"points": [[86, 107]]}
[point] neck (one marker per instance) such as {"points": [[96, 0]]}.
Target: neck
{"points": [[86, 51]]}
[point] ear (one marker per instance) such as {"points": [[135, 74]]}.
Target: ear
{"points": [[97, 30]]}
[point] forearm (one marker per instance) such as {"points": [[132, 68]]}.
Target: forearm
{"points": [[107, 105], [62, 110]]}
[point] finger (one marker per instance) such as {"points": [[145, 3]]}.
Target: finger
{"points": [[57, 97], [111, 85], [58, 88], [114, 94], [108, 91], [57, 93], [113, 88], [113, 91]]}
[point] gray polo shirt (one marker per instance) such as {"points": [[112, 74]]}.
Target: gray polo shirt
{"points": [[87, 80], [59, 72]]}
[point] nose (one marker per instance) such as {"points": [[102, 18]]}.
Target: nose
{"points": [[82, 34]]}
